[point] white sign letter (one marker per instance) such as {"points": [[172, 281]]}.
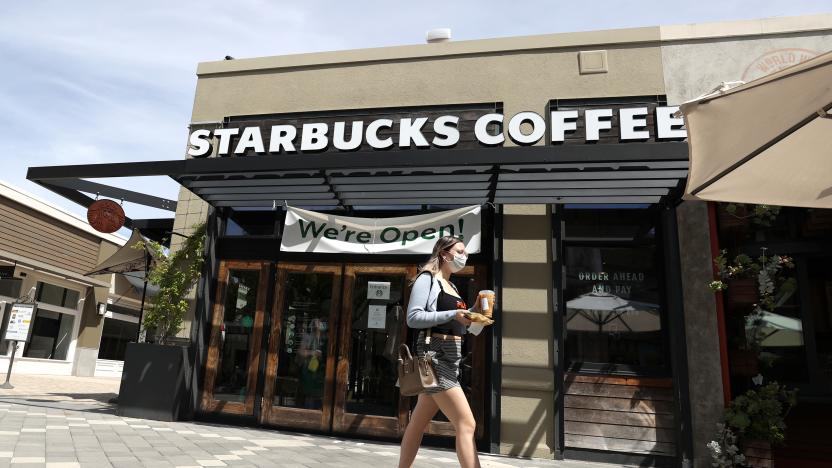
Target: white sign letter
{"points": [[355, 136], [447, 133], [665, 123], [481, 130], [250, 138], [631, 119], [560, 125], [538, 128], [224, 135], [372, 134], [199, 144], [313, 137], [594, 124], [283, 137], [411, 130]]}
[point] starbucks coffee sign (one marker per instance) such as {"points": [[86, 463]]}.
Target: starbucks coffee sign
{"points": [[443, 130]]}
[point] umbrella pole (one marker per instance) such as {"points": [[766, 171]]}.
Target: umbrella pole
{"points": [[144, 293]]}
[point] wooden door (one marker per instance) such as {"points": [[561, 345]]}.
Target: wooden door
{"points": [[300, 368], [236, 331], [367, 402]]}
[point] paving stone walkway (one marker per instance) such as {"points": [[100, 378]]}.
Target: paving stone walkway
{"points": [[64, 422]]}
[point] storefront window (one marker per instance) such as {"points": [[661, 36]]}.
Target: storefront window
{"points": [[57, 296], [50, 336], [613, 305], [235, 335], [10, 287], [114, 338], [250, 223]]}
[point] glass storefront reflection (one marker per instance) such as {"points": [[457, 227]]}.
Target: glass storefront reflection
{"points": [[613, 311], [303, 346], [371, 388], [235, 335]]}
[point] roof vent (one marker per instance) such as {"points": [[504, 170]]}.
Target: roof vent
{"points": [[438, 35]]}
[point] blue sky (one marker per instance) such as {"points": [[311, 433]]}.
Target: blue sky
{"points": [[97, 81]]}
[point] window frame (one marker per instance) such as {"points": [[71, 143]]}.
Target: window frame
{"points": [[601, 368]]}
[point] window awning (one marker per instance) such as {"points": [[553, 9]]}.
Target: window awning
{"points": [[575, 174]]}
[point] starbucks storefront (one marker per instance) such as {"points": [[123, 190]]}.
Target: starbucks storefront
{"points": [[322, 184]]}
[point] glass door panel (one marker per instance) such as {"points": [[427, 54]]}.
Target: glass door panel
{"points": [[367, 399], [234, 348], [300, 367]]}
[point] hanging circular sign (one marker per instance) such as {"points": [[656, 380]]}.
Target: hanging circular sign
{"points": [[105, 216]]}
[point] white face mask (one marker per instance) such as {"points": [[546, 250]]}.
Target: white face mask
{"points": [[458, 262]]}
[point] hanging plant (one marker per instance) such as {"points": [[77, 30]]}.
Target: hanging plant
{"points": [[772, 285], [174, 274], [762, 215]]}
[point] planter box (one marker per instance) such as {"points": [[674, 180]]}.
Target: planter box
{"points": [[757, 453], [155, 381]]}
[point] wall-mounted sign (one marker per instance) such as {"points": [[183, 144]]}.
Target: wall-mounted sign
{"points": [[20, 319], [378, 290], [432, 130], [105, 216], [310, 231]]}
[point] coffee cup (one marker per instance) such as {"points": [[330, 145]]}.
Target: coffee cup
{"points": [[485, 302]]}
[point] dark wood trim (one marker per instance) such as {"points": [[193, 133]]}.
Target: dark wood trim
{"points": [[300, 417], [209, 403], [343, 421], [559, 306]]}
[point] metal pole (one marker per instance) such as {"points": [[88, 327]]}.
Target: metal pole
{"points": [[144, 293], [7, 384]]}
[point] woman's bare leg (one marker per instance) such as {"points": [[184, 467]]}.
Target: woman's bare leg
{"points": [[424, 411], [453, 404]]}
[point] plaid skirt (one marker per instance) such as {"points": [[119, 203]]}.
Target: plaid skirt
{"points": [[446, 358]]}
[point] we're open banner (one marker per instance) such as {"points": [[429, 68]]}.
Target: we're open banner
{"points": [[310, 231]]}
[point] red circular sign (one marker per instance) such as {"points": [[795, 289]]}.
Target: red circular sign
{"points": [[105, 216]]}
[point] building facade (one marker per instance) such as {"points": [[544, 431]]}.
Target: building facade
{"points": [[45, 254], [608, 343]]}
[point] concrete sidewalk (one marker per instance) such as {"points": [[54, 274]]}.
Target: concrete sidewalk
{"points": [[64, 422]]}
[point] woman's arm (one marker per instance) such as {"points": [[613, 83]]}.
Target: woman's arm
{"points": [[417, 316]]}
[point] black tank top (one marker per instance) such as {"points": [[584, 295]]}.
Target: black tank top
{"points": [[444, 302]]}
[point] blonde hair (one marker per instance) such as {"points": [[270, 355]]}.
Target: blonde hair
{"points": [[443, 244]]}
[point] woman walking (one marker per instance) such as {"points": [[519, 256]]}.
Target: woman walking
{"points": [[437, 308]]}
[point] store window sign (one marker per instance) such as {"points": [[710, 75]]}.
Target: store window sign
{"points": [[378, 290], [619, 283], [523, 128], [310, 231]]}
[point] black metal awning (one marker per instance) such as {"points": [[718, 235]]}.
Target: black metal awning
{"points": [[602, 173]]}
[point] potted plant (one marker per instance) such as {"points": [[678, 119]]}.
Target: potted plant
{"points": [[156, 377], [752, 423]]}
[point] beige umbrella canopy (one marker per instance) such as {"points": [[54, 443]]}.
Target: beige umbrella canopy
{"points": [[127, 257], [768, 141]]}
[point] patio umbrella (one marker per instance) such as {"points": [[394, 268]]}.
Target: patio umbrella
{"points": [[605, 312], [768, 141], [128, 259], [775, 330]]}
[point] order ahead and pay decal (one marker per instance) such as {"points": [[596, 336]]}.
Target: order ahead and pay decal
{"points": [[310, 231]]}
